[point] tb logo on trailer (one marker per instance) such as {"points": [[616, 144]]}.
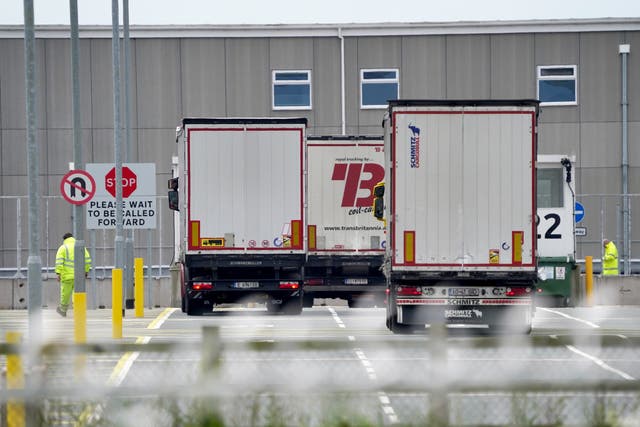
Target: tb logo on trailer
{"points": [[357, 176]]}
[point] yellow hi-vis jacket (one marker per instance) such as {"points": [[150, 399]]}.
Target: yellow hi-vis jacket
{"points": [[64, 259], [610, 260]]}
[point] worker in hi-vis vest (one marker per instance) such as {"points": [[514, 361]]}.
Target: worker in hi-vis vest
{"points": [[610, 258], [65, 271]]}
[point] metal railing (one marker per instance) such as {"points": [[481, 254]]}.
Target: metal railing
{"points": [[604, 217], [155, 245]]}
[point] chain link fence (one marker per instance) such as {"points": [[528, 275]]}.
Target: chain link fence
{"points": [[154, 245], [415, 381], [605, 215], [609, 216]]}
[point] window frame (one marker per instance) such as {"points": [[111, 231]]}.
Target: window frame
{"points": [[275, 83], [540, 77], [556, 182], [378, 81]]}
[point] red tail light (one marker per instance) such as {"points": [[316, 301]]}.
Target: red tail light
{"points": [[201, 286], [409, 291], [517, 292], [289, 285], [314, 282]]}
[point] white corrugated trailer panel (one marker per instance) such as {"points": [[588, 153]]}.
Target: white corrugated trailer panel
{"points": [[341, 177], [463, 187], [245, 185]]}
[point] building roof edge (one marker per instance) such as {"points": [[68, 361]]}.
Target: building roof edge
{"points": [[332, 30]]}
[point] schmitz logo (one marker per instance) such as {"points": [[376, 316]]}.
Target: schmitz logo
{"points": [[462, 314], [357, 176], [414, 146]]}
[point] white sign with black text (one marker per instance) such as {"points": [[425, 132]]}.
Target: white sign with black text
{"points": [[138, 196]]}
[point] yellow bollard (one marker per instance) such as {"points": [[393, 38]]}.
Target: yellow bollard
{"points": [[15, 381], [80, 317], [80, 330], [588, 261], [116, 302], [138, 270]]}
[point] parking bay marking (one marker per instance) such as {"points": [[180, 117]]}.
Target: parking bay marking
{"points": [[385, 402]]}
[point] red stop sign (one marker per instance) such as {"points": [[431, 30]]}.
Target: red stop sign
{"points": [[129, 182]]}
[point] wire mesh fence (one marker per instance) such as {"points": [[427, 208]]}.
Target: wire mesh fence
{"points": [[609, 216], [604, 216], [56, 218], [412, 382]]}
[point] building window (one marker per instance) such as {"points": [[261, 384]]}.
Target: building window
{"points": [[557, 85], [550, 184], [377, 87], [291, 90]]}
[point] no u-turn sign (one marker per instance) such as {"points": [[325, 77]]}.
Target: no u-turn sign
{"points": [[77, 187]]}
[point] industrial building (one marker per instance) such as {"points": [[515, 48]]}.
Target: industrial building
{"points": [[584, 72]]}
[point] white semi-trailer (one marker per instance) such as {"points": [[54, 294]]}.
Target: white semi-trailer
{"points": [[345, 242], [460, 205], [241, 187]]}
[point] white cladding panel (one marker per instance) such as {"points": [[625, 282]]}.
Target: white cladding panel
{"points": [[463, 184], [245, 184], [341, 177], [556, 226]]}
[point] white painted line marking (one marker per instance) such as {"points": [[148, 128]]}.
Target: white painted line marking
{"points": [[336, 317], [586, 322], [387, 408], [158, 321], [601, 363]]}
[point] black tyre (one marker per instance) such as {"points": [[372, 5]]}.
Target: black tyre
{"points": [[394, 326], [307, 301], [192, 307], [512, 329], [273, 308], [293, 306], [400, 329], [184, 279]]}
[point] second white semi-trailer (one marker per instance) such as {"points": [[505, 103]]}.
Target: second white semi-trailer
{"points": [[345, 242]]}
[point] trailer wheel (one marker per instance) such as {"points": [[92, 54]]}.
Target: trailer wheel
{"points": [[307, 301], [191, 307], [273, 307], [184, 277], [394, 326], [398, 328], [293, 306], [507, 328]]}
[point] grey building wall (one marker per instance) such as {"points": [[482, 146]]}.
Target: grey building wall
{"points": [[228, 73]]}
